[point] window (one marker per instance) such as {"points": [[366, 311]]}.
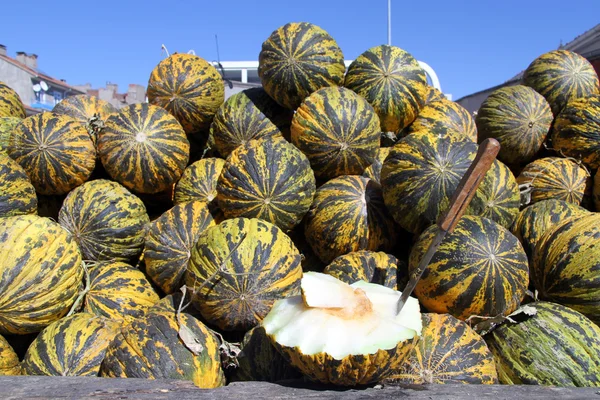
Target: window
{"points": [[58, 96]]}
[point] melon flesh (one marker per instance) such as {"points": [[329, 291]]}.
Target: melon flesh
{"points": [[340, 319]]}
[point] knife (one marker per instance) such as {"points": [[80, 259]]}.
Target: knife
{"points": [[486, 154]]}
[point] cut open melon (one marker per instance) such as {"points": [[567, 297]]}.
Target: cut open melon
{"points": [[345, 324]]}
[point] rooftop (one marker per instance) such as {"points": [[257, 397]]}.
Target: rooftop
{"points": [[39, 74]]}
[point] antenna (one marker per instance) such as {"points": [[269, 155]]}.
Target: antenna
{"points": [[37, 87], [229, 83], [389, 32], [218, 56], [44, 86]]}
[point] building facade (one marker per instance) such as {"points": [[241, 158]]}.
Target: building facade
{"points": [[587, 45], [135, 94], [38, 90]]}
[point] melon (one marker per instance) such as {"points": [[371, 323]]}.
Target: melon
{"points": [[480, 269], [17, 194], [9, 360], [576, 131], [10, 103], [89, 111], [106, 220], [392, 81], [348, 214], [561, 76], [169, 241], [370, 266], [151, 347], [189, 88], [342, 334], [556, 178], [445, 118], [338, 131], [55, 150], [238, 269], [566, 262], [119, 292], [269, 179], [250, 114], [519, 118], [448, 352], [72, 346], [298, 59], [144, 148], [548, 344], [41, 273]]}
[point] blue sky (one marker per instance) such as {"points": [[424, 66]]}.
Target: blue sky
{"points": [[472, 45]]}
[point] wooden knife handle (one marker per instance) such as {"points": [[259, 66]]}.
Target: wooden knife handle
{"points": [[488, 150]]}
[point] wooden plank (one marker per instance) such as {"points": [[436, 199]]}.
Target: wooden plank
{"points": [[42, 387]]}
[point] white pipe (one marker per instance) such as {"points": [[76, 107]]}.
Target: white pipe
{"points": [[389, 23], [435, 82]]}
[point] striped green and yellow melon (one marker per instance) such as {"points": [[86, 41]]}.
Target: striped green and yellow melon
{"points": [[72, 346], [480, 269], [199, 182], [260, 361], [89, 111], [448, 352], [238, 269], [298, 59], [9, 360], [341, 334], [151, 347], [565, 267], [519, 118], [576, 131], [17, 194], [7, 124], [373, 171], [433, 94], [548, 345], [10, 103], [55, 150], [251, 114], [445, 118], [392, 81], [338, 131], [420, 175], [267, 178], [370, 266], [41, 273], [561, 76], [106, 220], [169, 242], [556, 178], [144, 148], [348, 214], [498, 196], [189, 88], [533, 221], [118, 291]]}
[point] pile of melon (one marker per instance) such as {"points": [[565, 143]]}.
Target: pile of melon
{"points": [[269, 236]]}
